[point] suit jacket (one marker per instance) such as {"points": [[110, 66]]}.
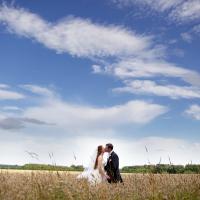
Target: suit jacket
{"points": [[112, 168]]}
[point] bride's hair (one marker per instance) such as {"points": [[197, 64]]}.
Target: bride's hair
{"points": [[99, 152]]}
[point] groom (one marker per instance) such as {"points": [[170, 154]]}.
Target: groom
{"points": [[112, 165]]}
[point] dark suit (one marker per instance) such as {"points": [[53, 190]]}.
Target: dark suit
{"points": [[112, 168]]}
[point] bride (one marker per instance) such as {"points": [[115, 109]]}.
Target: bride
{"points": [[95, 172]]}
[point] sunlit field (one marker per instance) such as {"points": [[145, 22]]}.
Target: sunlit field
{"points": [[19, 184]]}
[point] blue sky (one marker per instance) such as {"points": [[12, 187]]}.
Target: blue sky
{"points": [[78, 74]]}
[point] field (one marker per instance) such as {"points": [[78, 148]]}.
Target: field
{"points": [[18, 184]]}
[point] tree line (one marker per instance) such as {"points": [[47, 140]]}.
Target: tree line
{"points": [[163, 168], [43, 167], [156, 169]]}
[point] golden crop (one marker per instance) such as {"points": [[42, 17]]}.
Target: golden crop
{"points": [[33, 185]]}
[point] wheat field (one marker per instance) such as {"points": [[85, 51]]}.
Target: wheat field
{"points": [[21, 185]]}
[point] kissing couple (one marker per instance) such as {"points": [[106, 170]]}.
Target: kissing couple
{"points": [[99, 171]]}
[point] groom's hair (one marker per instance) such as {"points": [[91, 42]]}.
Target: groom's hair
{"points": [[110, 146]]}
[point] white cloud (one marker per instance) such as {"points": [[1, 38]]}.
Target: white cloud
{"points": [[193, 111], [158, 5], [10, 95], [129, 69], [76, 36], [186, 37], [178, 52], [7, 94], [4, 86], [187, 11], [135, 68], [97, 69], [190, 34], [12, 108], [196, 29], [151, 88], [79, 118], [36, 89], [177, 10]]}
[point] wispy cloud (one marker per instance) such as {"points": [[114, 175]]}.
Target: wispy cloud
{"points": [[186, 37], [190, 35], [177, 10], [76, 36], [36, 89], [186, 11], [11, 108], [158, 5], [140, 68], [196, 29], [4, 86], [10, 95], [194, 111], [148, 87]]}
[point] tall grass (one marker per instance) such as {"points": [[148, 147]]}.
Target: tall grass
{"points": [[50, 185]]}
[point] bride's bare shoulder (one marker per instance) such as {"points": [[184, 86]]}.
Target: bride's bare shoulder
{"points": [[100, 157]]}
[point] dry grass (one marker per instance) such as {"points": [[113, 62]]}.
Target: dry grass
{"points": [[62, 185]]}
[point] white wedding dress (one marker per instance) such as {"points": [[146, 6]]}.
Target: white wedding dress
{"points": [[94, 176]]}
